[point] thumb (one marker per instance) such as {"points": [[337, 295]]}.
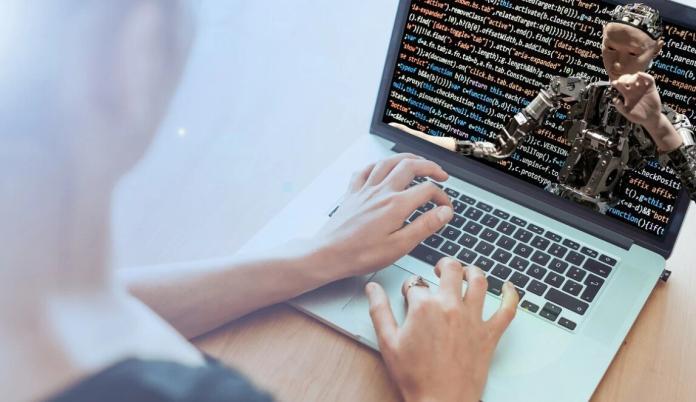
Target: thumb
{"points": [[381, 315]]}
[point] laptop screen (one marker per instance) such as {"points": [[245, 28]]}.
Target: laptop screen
{"points": [[465, 68]]}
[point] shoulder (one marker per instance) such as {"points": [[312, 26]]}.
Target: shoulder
{"points": [[568, 88], [158, 381]]}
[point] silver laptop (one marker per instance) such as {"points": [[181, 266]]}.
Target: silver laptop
{"points": [[583, 277]]}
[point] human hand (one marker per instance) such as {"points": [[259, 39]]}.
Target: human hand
{"points": [[367, 231], [443, 350]]}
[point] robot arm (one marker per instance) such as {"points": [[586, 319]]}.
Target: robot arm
{"points": [[683, 159], [526, 121]]}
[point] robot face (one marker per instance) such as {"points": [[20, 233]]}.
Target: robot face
{"points": [[627, 50]]}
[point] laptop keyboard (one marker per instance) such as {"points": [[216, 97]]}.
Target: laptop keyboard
{"points": [[556, 278]]}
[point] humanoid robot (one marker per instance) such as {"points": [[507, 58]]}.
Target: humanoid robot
{"points": [[614, 126]]}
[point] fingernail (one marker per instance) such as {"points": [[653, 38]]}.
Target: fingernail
{"points": [[445, 214], [369, 287]]}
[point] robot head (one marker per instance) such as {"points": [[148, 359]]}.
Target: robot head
{"points": [[631, 40]]}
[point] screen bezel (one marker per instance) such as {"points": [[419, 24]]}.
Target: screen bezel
{"points": [[515, 189]]}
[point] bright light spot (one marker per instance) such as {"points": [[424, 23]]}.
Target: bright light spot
{"points": [[181, 132]]}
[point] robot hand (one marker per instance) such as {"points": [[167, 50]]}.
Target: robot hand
{"points": [[639, 102], [484, 150]]}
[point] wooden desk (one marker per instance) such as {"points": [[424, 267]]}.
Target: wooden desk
{"points": [[226, 160]]}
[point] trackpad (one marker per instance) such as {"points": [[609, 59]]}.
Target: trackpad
{"points": [[528, 346]]}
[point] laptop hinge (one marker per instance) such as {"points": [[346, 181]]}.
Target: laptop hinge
{"points": [[526, 200]]}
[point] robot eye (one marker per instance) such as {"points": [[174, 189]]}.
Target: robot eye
{"points": [[633, 54], [611, 49]]}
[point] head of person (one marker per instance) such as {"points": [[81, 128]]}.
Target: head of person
{"points": [[85, 84], [83, 88], [631, 40]]}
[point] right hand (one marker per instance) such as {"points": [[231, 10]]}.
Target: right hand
{"points": [[444, 349]]}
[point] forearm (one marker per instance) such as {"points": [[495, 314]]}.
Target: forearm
{"points": [[199, 296]]}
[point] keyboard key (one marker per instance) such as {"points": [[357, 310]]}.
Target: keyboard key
{"points": [[419, 179], [536, 229], [452, 193], [490, 221], [557, 250], [467, 240], [426, 254], [589, 252], [523, 250], [553, 236], [554, 279], [540, 243], [540, 258], [529, 306], [519, 280], [523, 235], [519, 264], [567, 301], [473, 213], [457, 221], [484, 206], [575, 258], [552, 308], [564, 322], [577, 274], [571, 287], [501, 214], [489, 235], [506, 243], [548, 315], [458, 207], [593, 284], [507, 228], [472, 227], [467, 256], [571, 244], [434, 241], [558, 265], [450, 248], [467, 199], [537, 271], [484, 263], [426, 207], [484, 248], [597, 267], [414, 216], [518, 221], [495, 285], [537, 287], [607, 260], [501, 256], [501, 271], [451, 233]]}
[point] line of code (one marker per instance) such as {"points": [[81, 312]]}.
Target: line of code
{"points": [[465, 67]]}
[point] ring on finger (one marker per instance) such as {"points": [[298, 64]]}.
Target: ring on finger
{"points": [[417, 281]]}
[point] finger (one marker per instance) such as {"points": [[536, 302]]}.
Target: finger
{"points": [[408, 237], [381, 313], [502, 318], [445, 142], [451, 275], [360, 178], [419, 194], [383, 168], [477, 286], [414, 294], [407, 169]]}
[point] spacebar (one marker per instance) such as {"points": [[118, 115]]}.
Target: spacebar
{"points": [[426, 254]]}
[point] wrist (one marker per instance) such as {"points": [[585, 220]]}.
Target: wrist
{"points": [[663, 134]]}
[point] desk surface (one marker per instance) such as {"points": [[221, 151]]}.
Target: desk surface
{"points": [[301, 84]]}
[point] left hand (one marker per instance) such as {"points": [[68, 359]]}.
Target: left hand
{"points": [[641, 104], [367, 231]]}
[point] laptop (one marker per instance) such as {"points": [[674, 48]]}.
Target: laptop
{"points": [[463, 68]]}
